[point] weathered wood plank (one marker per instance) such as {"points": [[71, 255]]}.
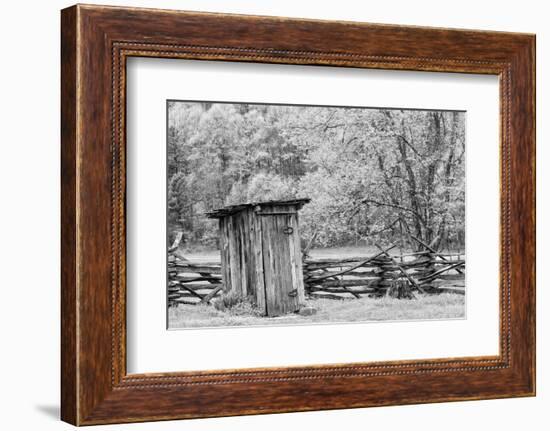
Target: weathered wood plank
{"points": [[259, 275], [357, 265], [186, 301], [329, 296], [192, 291], [437, 273], [413, 282], [338, 290], [195, 286], [356, 274], [428, 247], [268, 263], [190, 279], [213, 293], [191, 262], [298, 260], [198, 269], [343, 283]]}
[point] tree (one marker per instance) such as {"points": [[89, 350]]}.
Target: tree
{"points": [[371, 174]]}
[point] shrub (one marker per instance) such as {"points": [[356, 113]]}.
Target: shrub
{"points": [[236, 304]]}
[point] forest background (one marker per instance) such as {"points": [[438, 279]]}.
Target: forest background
{"points": [[373, 175]]}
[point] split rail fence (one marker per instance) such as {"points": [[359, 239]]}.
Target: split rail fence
{"points": [[400, 276]]}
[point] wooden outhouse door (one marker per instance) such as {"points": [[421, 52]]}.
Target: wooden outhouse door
{"points": [[261, 255], [282, 266]]}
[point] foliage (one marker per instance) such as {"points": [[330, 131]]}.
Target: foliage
{"points": [[237, 305], [371, 174]]}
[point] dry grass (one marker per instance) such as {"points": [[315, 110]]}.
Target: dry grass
{"points": [[213, 255], [425, 307]]}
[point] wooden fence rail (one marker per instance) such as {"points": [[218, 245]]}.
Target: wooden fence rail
{"points": [[192, 283], [351, 277], [344, 279]]}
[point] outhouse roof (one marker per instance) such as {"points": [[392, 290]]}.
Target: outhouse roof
{"points": [[232, 209]]}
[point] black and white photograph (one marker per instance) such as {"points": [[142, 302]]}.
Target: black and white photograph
{"points": [[297, 215], [275, 215]]}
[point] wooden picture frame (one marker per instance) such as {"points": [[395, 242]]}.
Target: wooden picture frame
{"points": [[95, 43]]}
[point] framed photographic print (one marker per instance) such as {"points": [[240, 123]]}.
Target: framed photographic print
{"points": [[265, 215]]}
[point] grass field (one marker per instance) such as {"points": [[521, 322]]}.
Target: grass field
{"points": [[425, 307], [315, 253]]}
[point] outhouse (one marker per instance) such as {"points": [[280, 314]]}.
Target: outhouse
{"points": [[261, 254]]}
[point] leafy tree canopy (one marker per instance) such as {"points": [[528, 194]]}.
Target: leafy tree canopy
{"points": [[371, 174]]}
